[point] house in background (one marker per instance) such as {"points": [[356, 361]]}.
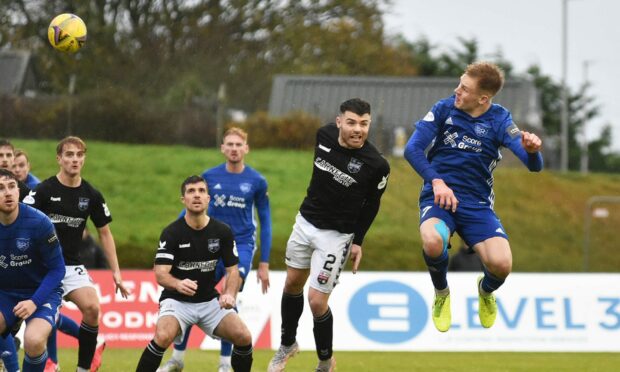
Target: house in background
{"points": [[17, 74]]}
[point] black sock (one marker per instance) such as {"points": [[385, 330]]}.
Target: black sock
{"points": [[151, 358], [438, 268], [324, 335], [87, 340], [241, 360], [291, 308]]}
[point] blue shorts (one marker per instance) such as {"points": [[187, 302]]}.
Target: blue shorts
{"points": [[246, 254], [474, 224], [48, 311]]}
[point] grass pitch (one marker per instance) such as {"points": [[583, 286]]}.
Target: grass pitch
{"points": [[116, 360]]}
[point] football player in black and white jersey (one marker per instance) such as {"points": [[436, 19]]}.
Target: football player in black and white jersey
{"points": [[69, 200], [185, 262], [348, 180]]}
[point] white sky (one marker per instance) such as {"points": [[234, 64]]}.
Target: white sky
{"points": [[529, 32]]}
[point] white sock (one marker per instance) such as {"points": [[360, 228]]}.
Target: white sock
{"points": [[178, 354], [442, 292], [225, 360], [80, 369]]}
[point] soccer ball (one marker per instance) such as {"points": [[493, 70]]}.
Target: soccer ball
{"points": [[67, 32]]}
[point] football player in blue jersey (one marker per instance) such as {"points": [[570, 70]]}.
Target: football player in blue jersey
{"points": [[30, 251], [236, 189], [462, 135]]}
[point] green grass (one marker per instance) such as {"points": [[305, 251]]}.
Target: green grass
{"points": [[121, 360], [542, 212]]}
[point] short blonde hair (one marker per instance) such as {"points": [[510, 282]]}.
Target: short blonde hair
{"points": [[237, 132], [73, 140], [489, 75]]}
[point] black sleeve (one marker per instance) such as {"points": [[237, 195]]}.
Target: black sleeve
{"points": [[165, 250], [371, 204], [100, 214]]}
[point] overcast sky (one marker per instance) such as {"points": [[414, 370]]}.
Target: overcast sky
{"points": [[529, 32]]}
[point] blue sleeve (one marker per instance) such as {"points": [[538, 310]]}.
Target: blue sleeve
{"points": [[51, 257], [426, 131], [511, 138], [264, 216]]}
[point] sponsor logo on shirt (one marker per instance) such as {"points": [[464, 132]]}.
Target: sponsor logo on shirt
{"points": [[52, 238], [338, 175], [55, 198], [186, 245], [70, 221], [200, 265], [450, 138], [2, 263]]}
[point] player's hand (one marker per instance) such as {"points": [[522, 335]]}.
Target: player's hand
{"points": [[187, 287], [444, 196], [356, 256], [262, 276], [24, 309], [530, 142], [227, 301], [119, 286]]}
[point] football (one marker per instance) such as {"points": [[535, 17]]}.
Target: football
{"points": [[67, 32]]}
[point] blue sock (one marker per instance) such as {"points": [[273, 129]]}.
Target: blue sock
{"points": [[34, 364], [490, 282], [68, 326], [8, 353], [52, 348], [183, 345]]}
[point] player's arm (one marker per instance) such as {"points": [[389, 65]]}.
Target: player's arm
{"points": [[230, 258], [264, 216], [109, 249], [525, 145], [51, 255], [368, 213], [186, 287], [426, 131], [233, 282]]}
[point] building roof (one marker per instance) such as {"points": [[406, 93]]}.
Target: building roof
{"points": [[17, 76], [396, 102]]}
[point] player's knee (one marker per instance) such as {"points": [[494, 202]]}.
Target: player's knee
{"points": [[163, 337], [241, 336], [318, 305], [90, 314], [293, 285], [435, 240], [35, 343], [501, 268]]}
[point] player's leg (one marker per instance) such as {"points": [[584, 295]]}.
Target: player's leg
{"points": [[329, 257], [436, 226], [166, 330], [485, 234], [8, 351], [246, 253], [35, 340], [86, 300], [67, 326], [298, 257], [232, 328]]}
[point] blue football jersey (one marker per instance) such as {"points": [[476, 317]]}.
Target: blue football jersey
{"points": [[29, 251], [233, 198], [463, 151]]}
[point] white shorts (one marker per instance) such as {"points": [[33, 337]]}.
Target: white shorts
{"points": [[76, 277], [325, 252], [206, 315]]}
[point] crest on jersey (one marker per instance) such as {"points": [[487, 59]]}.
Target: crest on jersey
{"points": [[83, 204], [354, 165], [22, 243], [245, 187], [481, 130], [213, 245]]}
